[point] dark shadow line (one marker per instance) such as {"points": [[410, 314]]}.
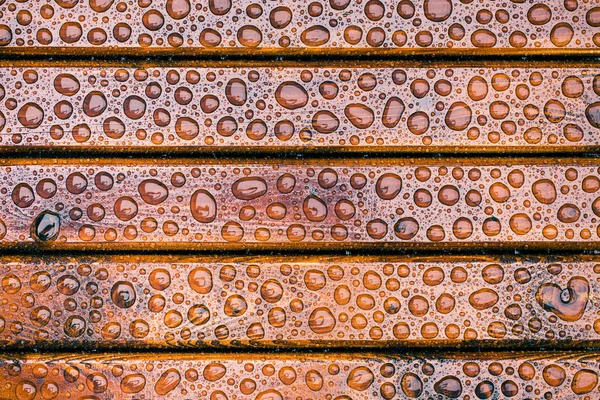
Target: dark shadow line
{"points": [[501, 252], [281, 153], [381, 348], [198, 55]]}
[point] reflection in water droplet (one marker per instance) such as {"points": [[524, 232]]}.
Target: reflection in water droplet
{"points": [[167, 382], [388, 186], [203, 206], [153, 191], [359, 115], [360, 378], [123, 294], [30, 115], [321, 320], [291, 95], [249, 188], [483, 299], [46, 227]]}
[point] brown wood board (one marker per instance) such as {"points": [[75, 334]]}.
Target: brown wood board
{"points": [[475, 107], [277, 204], [283, 376], [220, 27], [156, 302]]}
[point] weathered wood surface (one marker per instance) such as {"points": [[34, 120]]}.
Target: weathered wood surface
{"points": [[256, 108], [277, 377], [160, 302], [279, 27], [201, 204]]}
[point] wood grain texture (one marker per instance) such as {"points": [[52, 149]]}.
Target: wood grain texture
{"points": [[314, 108], [347, 203], [277, 377], [247, 27], [169, 302]]}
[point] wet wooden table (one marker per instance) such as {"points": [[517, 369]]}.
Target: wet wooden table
{"points": [[329, 199]]}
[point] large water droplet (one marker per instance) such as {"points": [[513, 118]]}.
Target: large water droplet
{"points": [[153, 191], [123, 294], [291, 95], [203, 206]]}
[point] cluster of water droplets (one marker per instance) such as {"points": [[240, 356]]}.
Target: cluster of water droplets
{"points": [[202, 304], [289, 203], [265, 107], [275, 378], [318, 24]]}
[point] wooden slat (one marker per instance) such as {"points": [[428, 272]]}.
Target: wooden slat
{"points": [[159, 302], [384, 108], [226, 26], [348, 203], [276, 377]]}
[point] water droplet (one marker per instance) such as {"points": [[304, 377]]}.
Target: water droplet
{"points": [[359, 115], [45, 227], [235, 306], [271, 291], [392, 112], [483, 299], [203, 206], [568, 304], [411, 385], [325, 122], [153, 191], [30, 115], [200, 280], [167, 382], [249, 188], [178, 9], [123, 294], [585, 380], [388, 186], [449, 386], [291, 95], [458, 116], [321, 321], [360, 378], [315, 36], [437, 10], [314, 208], [133, 383], [235, 91]]}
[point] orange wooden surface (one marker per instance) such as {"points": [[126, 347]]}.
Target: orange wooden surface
{"points": [[223, 25], [277, 377], [380, 302], [387, 195], [348, 203]]}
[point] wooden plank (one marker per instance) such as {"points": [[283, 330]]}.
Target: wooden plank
{"points": [[275, 204], [278, 377], [167, 302], [256, 108], [248, 27]]}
